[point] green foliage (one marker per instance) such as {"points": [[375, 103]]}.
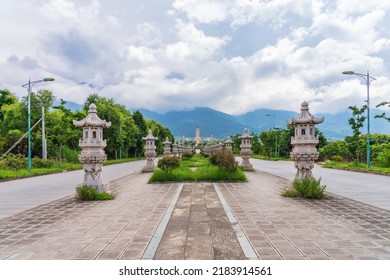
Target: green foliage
{"points": [[383, 115], [356, 122], [13, 162], [383, 159], [337, 158], [310, 188], [197, 168], [186, 156], [167, 164], [290, 192], [41, 163], [225, 160], [335, 148], [85, 192]]}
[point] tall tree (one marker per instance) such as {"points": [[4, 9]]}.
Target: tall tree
{"points": [[356, 122]]}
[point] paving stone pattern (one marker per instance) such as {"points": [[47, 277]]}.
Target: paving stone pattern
{"points": [[70, 229], [199, 228], [294, 228], [276, 227]]}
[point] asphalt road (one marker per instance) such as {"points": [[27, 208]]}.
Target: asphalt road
{"points": [[23, 194], [367, 188]]}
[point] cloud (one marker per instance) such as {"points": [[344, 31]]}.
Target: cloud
{"points": [[234, 56]]}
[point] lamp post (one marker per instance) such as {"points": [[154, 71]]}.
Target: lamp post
{"points": [[29, 86], [276, 135], [367, 79]]}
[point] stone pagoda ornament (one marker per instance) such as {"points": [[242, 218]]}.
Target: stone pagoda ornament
{"points": [[229, 145], [245, 150], [92, 149], [175, 150], [150, 152], [304, 142], [167, 147]]}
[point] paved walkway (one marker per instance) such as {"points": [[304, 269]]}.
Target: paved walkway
{"points": [[198, 221]]}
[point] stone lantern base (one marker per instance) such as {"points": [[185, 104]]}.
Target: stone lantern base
{"points": [[150, 166], [246, 166], [92, 172]]}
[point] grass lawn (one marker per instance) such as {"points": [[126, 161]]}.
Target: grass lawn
{"points": [[198, 168], [360, 167], [15, 174]]}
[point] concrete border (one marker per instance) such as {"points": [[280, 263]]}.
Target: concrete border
{"points": [[246, 246], [156, 238]]}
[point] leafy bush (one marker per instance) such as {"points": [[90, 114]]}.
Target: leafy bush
{"points": [[185, 156], [167, 164], [13, 162], [213, 159], [41, 163], [85, 192], [337, 158], [310, 188], [226, 161], [290, 192], [383, 158]]}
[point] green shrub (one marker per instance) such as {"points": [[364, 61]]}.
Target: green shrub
{"points": [[226, 161], [167, 164], [337, 158], [383, 158], [186, 156], [41, 163], [13, 162], [310, 188], [290, 192], [213, 159], [85, 192]]}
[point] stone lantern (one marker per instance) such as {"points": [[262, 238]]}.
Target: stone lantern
{"points": [[92, 149], [304, 142], [175, 150], [229, 145], [245, 150], [167, 147], [150, 152]]}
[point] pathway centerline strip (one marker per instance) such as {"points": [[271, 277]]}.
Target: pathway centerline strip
{"points": [[242, 239], [156, 238]]}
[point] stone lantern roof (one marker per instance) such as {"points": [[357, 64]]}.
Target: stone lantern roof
{"points": [[92, 119], [246, 134], [305, 117], [167, 141], [150, 136]]}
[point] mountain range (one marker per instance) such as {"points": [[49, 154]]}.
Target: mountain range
{"points": [[213, 123], [217, 124]]}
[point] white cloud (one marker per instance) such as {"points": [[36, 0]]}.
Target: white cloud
{"points": [[166, 55]]}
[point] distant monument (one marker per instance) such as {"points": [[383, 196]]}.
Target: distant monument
{"points": [[197, 136], [304, 142]]}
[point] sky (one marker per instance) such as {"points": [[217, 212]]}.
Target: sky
{"points": [[234, 56]]}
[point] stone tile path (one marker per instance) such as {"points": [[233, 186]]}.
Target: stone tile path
{"points": [[276, 227]]}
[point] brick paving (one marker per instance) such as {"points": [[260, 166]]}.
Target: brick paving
{"points": [[276, 227]]}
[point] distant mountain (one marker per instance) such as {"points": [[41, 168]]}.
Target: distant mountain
{"points": [[221, 125], [212, 123]]}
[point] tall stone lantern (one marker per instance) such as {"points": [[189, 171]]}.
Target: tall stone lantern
{"points": [[245, 150], [92, 149], [150, 152], [175, 149], [304, 142], [167, 147]]}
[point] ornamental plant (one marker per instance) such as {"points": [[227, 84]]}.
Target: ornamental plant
{"points": [[310, 188], [167, 164]]}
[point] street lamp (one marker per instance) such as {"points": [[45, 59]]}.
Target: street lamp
{"points": [[367, 78], [276, 137], [29, 86]]}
